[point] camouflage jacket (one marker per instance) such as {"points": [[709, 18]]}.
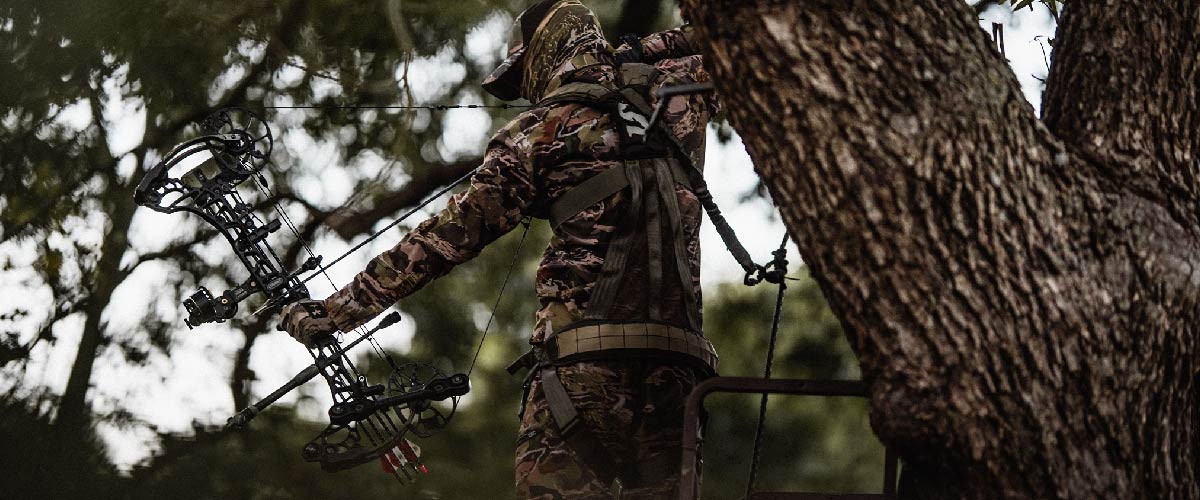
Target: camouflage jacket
{"points": [[539, 155]]}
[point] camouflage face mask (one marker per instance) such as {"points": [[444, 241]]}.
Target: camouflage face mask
{"points": [[547, 41], [569, 39], [505, 80]]}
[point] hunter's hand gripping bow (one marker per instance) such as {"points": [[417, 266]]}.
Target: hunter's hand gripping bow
{"points": [[368, 422]]}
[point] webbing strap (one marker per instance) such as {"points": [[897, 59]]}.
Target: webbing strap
{"points": [[580, 92], [668, 177], [619, 340], [651, 210], [638, 102], [577, 437], [586, 194], [598, 188], [700, 189], [561, 407], [638, 74], [617, 255]]}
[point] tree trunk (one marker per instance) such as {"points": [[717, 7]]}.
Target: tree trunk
{"points": [[73, 412], [73, 415], [1023, 295]]}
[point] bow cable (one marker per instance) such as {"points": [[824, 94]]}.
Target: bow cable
{"points": [[361, 330], [511, 265]]}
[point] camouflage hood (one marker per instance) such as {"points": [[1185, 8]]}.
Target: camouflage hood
{"points": [[549, 43]]}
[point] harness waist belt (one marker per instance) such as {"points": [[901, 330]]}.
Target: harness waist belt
{"points": [[631, 336]]}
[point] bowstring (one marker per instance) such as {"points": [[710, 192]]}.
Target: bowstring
{"points": [[495, 306], [396, 222], [323, 270], [291, 225], [418, 207], [375, 421]]}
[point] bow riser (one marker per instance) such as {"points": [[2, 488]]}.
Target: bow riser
{"points": [[209, 190], [367, 422]]}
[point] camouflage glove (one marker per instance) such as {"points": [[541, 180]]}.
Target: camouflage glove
{"points": [[306, 320]]}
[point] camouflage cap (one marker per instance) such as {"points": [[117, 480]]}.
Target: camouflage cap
{"points": [[505, 80]]}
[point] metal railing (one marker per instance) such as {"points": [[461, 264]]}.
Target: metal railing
{"points": [[689, 482]]}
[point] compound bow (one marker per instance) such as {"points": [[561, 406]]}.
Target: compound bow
{"points": [[366, 421]]}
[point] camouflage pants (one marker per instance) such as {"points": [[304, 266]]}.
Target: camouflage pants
{"points": [[632, 408]]}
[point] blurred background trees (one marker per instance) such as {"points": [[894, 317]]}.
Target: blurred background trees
{"points": [[100, 378]]}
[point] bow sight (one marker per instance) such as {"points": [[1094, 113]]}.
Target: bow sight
{"points": [[367, 421]]}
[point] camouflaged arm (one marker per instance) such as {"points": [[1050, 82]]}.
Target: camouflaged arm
{"points": [[493, 205], [670, 44]]}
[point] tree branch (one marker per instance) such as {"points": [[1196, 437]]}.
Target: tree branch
{"points": [[1123, 91], [175, 250], [348, 224], [156, 136], [981, 6]]}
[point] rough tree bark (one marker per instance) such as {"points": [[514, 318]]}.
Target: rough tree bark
{"points": [[1023, 294]]}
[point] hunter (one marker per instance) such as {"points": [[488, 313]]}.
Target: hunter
{"points": [[617, 343]]}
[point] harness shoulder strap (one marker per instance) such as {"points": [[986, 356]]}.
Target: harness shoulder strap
{"points": [[700, 189], [638, 75], [578, 92], [635, 79]]}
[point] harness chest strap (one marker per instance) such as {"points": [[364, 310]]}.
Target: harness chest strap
{"points": [[601, 186]]}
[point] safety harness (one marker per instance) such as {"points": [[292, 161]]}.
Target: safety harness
{"points": [[653, 163]]}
